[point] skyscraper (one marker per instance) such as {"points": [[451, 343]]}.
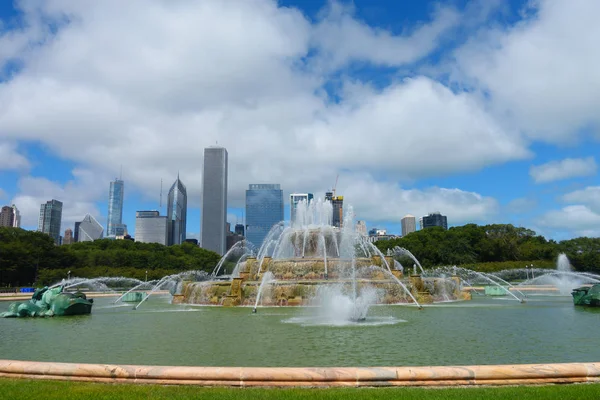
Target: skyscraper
{"points": [[17, 217], [177, 213], [337, 203], [90, 229], [50, 219], [7, 216], [68, 238], [409, 224], [264, 208], [296, 198], [214, 199], [115, 208], [434, 219], [361, 227], [150, 227]]}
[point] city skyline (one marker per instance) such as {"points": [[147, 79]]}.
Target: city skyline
{"points": [[417, 106]]}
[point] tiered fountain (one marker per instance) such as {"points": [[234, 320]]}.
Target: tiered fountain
{"points": [[310, 262]]}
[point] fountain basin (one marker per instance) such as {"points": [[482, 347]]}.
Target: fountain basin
{"points": [[524, 374]]}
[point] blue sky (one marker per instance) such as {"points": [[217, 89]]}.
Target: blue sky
{"points": [[483, 110]]}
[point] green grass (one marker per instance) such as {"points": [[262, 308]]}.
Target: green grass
{"points": [[37, 389]]}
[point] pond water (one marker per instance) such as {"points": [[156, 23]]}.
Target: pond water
{"points": [[486, 330]]}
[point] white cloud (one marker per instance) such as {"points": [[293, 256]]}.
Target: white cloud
{"points": [[341, 38], [10, 157], [563, 169], [152, 85], [589, 196], [579, 219], [541, 72], [386, 201], [78, 197]]}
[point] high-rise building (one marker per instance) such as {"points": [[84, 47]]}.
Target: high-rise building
{"points": [[337, 202], [361, 227], [177, 213], [50, 219], [150, 227], [264, 208], [214, 199], [239, 229], [17, 217], [89, 229], [409, 224], [68, 238], [7, 216], [434, 219], [76, 232], [115, 225], [296, 198]]}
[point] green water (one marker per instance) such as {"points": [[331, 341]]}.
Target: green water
{"points": [[482, 331]]}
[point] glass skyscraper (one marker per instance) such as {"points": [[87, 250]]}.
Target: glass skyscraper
{"points": [[115, 225], [89, 229], [264, 208], [214, 200], [50, 219], [177, 213]]}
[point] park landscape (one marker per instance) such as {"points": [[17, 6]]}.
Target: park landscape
{"points": [[476, 120], [267, 309]]}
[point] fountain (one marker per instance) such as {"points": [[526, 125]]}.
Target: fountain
{"points": [[310, 262]]}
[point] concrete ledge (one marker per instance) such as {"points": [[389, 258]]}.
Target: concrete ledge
{"points": [[519, 374]]}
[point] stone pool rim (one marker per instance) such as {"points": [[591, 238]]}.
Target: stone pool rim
{"points": [[469, 375]]}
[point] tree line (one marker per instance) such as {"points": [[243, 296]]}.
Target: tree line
{"points": [[497, 244], [28, 258]]}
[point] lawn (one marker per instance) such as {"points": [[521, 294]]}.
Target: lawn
{"points": [[39, 389]]}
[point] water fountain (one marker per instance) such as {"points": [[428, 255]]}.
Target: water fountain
{"points": [[311, 262]]}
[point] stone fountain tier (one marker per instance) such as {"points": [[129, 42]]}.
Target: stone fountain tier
{"points": [[313, 268], [301, 290]]}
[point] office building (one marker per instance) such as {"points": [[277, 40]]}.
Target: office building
{"points": [[409, 224], [10, 217], [233, 238], [337, 203], [177, 212], [115, 225], [239, 229], [76, 232], [214, 200], [296, 198], [434, 219], [361, 227], [7, 216], [264, 208], [68, 238], [150, 227], [89, 229], [50, 219]]}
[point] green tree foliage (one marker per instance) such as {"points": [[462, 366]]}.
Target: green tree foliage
{"points": [[27, 257], [491, 247]]}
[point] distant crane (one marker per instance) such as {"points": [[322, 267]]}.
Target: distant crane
{"points": [[335, 185]]}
